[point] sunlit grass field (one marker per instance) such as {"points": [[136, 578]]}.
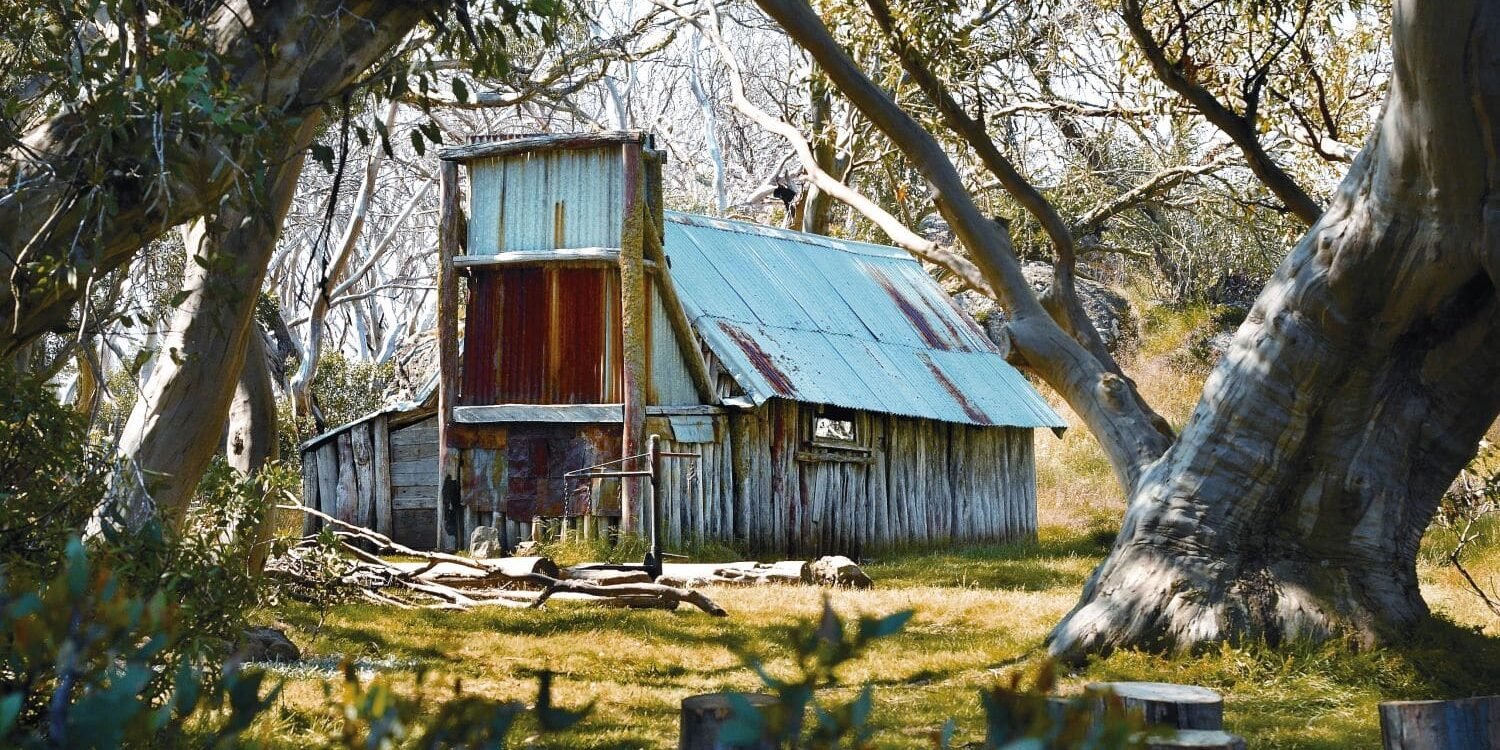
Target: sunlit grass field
{"points": [[980, 612]]}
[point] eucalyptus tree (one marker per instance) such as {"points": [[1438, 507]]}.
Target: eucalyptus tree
{"points": [[1293, 501], [134, 118]]}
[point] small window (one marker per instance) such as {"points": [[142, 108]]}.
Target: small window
{"points": [[835, 427]]}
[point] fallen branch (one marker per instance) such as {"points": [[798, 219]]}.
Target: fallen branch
{"points": [[373, 572]]}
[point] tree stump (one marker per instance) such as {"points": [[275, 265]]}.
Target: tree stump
{"points": [[1197, 738], [703, 716], [1464, 724], [1165, 704]]}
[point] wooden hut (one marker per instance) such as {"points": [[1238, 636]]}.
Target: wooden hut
{"points": [[832, 396]]}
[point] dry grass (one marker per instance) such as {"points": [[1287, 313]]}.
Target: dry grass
{"points": [[980, 612]]}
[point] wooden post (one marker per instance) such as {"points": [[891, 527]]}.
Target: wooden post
{"points": [[449, 242], [1199, 739], [310, 490], [384, 506], [653, 523], [633, 328], [1464, 724], [1165, 704], [703, 716]]}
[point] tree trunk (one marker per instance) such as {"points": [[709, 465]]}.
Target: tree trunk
{"points": [[1294, 502], [251, 439], [82, 207], [178, 421]]}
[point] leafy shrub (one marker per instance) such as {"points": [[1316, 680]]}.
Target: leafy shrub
{"points": [[51, 477], [85, 663]]}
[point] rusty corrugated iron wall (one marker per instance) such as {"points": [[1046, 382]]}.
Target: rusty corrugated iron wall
{"points": [[540, 335]]}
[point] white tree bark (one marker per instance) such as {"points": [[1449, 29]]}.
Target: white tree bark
{"points": [[1294, 502], [330, 284], [178, 422]]}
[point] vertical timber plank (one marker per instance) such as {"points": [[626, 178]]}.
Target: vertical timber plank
{"points": [[364, 474], [310, 490], [384, 505]]}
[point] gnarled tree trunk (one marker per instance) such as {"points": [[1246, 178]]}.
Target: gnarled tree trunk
{"points": [[1294, 502]]}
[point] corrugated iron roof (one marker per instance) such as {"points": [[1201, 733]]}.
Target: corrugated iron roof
{"points": [[851, 324]]}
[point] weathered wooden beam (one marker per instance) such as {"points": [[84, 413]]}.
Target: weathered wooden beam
{"points": [[563, 413], [384, 508], [565, 256], [633, 326], [576, 141], [703, 410], [450, 229]]}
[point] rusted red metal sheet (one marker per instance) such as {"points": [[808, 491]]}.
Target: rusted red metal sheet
{"points": [[542, 336], [526, 472], [579, 338]]}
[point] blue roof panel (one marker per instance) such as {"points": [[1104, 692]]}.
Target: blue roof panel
{"points": [[851, 324]]}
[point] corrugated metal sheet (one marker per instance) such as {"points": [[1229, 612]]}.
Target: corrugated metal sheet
{"points": [[538, 335], [669, 382], [546, 200], [850, 324]]}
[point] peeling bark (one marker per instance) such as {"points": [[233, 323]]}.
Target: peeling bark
{"points": [[1294, 503]]}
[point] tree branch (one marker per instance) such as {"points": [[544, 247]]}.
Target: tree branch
{"points": [[1239, 129]]}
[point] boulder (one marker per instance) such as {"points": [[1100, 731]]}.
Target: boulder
{"points": [[268, 645], [1106, 308], [484, 543]]}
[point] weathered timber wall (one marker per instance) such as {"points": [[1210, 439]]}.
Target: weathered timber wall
{"points": [[378, 475], [698, 494], [912, 481], [759, 480]]}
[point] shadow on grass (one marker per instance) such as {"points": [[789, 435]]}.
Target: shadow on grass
{"points": [[1050, 562], [1324, 696]]}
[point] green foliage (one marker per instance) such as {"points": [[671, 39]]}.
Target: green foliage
{"points": [[1017, 716], [348, 389], [82, 664], [86, 662], [51, 477]]}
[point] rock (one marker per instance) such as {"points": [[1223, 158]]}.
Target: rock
{"points": [[268, 644], [528, 548], [1107, 309], [838, 570], [484, 542]]}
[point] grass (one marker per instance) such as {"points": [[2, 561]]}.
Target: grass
{"points": [[980, 611]]}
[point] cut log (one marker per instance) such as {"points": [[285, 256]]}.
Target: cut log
{"points": [[838, 570], [605, 576], [1464, 724], [704, 716], [1165, 704], [1200, 739]]}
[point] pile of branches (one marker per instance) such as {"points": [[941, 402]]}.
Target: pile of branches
{"points": [[445, 581]]}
